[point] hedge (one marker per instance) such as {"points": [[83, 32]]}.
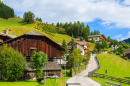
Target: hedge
{"points": [[77, 70]]}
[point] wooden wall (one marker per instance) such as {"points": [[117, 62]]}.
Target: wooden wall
{"points": [[26, 45]]}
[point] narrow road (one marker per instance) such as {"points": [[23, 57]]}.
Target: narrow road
{"points": [[82, 78]]}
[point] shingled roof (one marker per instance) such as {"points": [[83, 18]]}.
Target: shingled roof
{"points": [[8, 35], [127, 51], [50, 66]]}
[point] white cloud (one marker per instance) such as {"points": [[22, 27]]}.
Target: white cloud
{"points": [[110, 27], [118, 36], [123, 38], [127, 2], [109, 11], [105, 23]]}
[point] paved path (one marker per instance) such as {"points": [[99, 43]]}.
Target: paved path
{"points": [[82, 78]]}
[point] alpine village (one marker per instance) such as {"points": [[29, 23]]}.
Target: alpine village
{"points": [[35, 53]]}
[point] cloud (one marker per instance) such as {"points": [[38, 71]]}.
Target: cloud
{"points": [[110, 27], [127, 2], [52, 11], [105, 23], [123, 38], [118, 36]]}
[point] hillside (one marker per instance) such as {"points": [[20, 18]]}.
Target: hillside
{"points": [[92, 46], [115, 66], [16, 27]]}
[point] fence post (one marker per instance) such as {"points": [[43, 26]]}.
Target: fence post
{"points": [[93, 73], [44, 80], [55, 80]]}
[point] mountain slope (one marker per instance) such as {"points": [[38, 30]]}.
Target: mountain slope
{"points": [[127, 40]]}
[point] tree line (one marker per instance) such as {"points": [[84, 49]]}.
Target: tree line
{"points": [[76, 28], [5, 11]]}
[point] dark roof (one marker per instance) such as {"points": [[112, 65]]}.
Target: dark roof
{"points": [[33, 33], [127, 51], [50, 66]]}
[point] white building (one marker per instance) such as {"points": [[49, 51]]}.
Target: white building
{"points": [[97, 37]]}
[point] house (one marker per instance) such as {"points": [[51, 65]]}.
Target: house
{"points": [[28, 42], [127, 51], [97, 37], [5, 36], [82, 45]]}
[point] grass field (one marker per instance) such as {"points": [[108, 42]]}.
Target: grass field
{"points": [[49, 82], [115, 66], [16, 27]]}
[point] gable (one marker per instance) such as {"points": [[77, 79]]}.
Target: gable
{"points": [[27, 43]]}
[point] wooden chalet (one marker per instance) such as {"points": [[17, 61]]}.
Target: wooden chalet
{"points": [[97, 37], [127, 51], [34, 41]]}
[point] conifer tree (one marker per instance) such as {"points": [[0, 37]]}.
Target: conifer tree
{"points": [[72, 43], [65, 47]]}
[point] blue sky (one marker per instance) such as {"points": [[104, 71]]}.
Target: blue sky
{"points": [[109, 30], [110, 17]]}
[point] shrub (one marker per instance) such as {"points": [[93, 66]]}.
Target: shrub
{"points": [[126, 58], [13, 63], [39, 74]]}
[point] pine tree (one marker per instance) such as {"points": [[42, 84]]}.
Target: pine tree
{"points": [[72, 43], [65, 47], [28, 17]]}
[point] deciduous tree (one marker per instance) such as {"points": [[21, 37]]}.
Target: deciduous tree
{"points": [[13, 63]]}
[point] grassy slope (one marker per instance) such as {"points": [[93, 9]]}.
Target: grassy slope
{"points": [[115, 66], [17, 28], [92, 45]]}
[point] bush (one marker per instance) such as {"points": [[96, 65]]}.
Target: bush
{"points": [[13, 63], [75, 70], [39, 74], [126, 58]]}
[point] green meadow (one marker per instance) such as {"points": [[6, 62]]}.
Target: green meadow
{"points": [[115, 66]]}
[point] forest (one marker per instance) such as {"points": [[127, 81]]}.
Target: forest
{"points": [[5, 11], [78, 29]]}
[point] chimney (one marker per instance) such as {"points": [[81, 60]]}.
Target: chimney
{"points": [[6, 32]]}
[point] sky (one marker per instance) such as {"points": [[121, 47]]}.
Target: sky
{"points": [[110, 17]]}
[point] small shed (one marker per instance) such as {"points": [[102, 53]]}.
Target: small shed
{"points": [[50, 70], [127, 51]]}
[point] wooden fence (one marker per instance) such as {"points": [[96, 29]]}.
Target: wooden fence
{"points": [[125, 81]]}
